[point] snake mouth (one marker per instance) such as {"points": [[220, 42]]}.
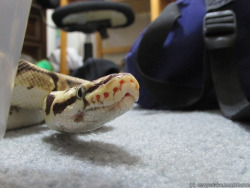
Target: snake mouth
{"points": [[96, 113], [112, 92], [105, 107], [80, 115], [94, 118]]}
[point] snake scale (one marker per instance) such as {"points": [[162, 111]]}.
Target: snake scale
{"points": [[66, 103]]}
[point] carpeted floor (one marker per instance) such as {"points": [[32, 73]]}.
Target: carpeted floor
{"points": [[143, 148]]}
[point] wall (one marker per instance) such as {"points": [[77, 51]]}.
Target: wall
{"points": [[125, 36]]}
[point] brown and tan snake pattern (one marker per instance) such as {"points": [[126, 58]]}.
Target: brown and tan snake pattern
{"points": [[66, 103]]}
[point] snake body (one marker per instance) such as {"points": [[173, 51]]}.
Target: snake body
{"points": [[66, 103]]}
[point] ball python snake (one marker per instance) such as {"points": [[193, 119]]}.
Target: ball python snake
{"points": [[66, 103]]}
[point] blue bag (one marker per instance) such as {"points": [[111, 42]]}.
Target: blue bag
{"points": [[196, 54]]}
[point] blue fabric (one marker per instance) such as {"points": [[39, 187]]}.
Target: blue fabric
{"points": [[181, 60]]}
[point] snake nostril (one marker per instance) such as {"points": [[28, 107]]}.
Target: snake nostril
{"points": [[127, 94]]}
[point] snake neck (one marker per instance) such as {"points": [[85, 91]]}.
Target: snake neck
{"points": [[33, 84]]}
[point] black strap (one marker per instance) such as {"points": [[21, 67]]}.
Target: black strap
{"points": [[212, 5], [174, 96], [220, 55]]}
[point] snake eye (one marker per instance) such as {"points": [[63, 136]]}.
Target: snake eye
{"points": [[81, 92]]}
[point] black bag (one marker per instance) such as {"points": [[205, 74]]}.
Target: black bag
{"points": [[195, 54], [95, 68]]}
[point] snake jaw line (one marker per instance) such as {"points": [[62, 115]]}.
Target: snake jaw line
{"points": [[118, 87]]}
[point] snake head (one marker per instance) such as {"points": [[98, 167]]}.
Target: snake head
{"points": [[90, 105]]}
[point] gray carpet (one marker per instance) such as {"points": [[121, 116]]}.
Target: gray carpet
{"points": [[142, 148]]}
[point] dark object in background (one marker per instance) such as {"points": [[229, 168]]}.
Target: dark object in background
{"points": [[93, 16], [49, 3], [95, 68]]}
